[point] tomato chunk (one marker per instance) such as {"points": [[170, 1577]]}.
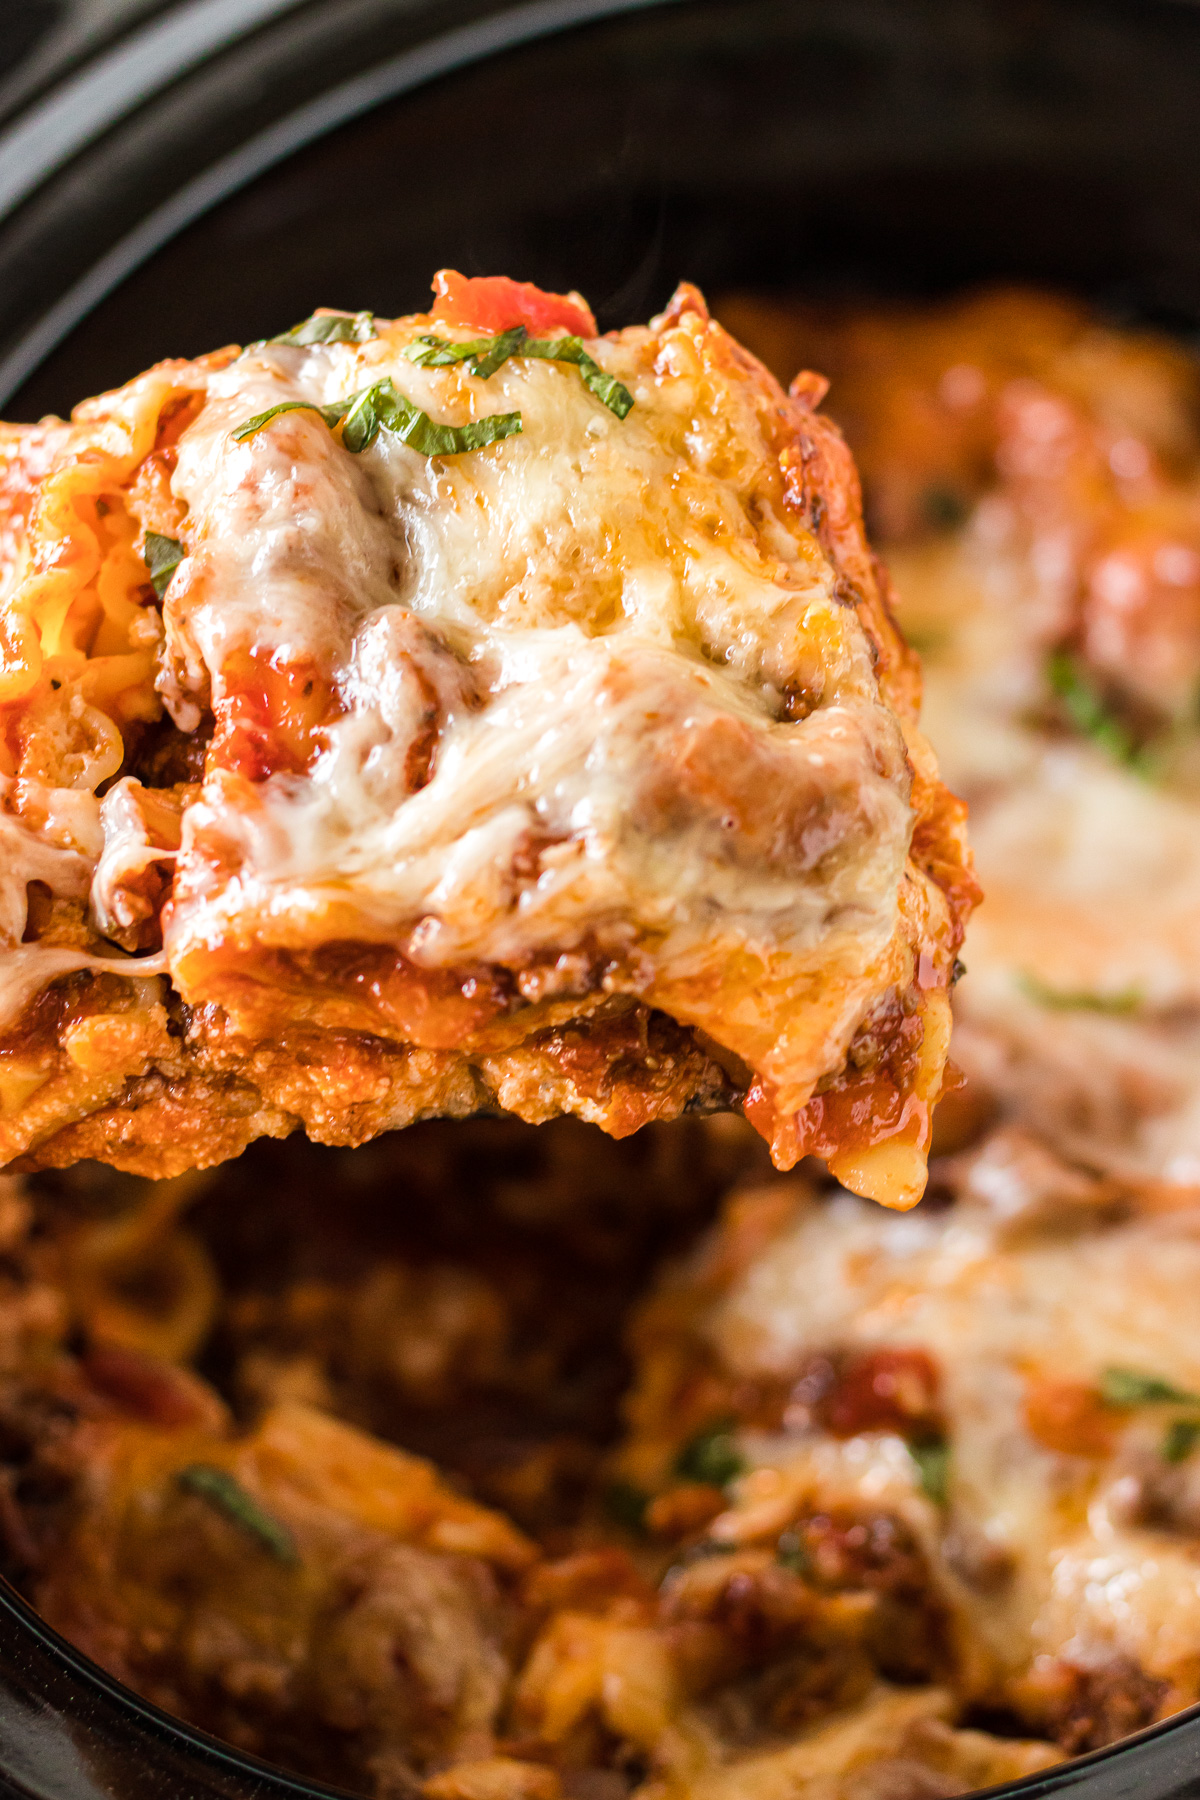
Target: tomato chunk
{"points": [[496, 303], [1071, 1417], [270, 716], [884, 1390]]}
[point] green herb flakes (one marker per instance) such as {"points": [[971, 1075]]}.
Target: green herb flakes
{"points": [[224, 1492], [364, 415], [163, 556], [926, 640], [791, 1552], [945, 508], [706, 1547], [381, 408], [1079, 999], [1180, 1439], [332, 416], [1126, 1387], [614, 394], [932, 1457], [485, 355], [711, 1457], [626, 1505], [1090, 714], [329, 328]]}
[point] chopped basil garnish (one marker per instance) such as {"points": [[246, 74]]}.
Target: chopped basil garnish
{"points": [[945, 508], [932, 1458], [706, 1547], [224, 1492], [330, 414], [615, 395], [626, 1505], [485, 356], [381, 408], [791, 1552], [711, 1457], [1126, 1387], [329, 328], [926, 640], [1079, 999], [1089, 712], [163, 556], [1180, 1439]]}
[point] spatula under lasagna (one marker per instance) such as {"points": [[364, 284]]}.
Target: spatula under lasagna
{"points": [[462, 712]]}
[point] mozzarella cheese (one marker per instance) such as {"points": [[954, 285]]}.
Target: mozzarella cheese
{"points": [[591, 718], [1080, 1010], [1042, 1553], [595, 605]]}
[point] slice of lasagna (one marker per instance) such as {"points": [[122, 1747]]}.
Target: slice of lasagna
{"points": [[454, 713]]}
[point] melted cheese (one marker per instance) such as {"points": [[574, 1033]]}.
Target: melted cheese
{"points": [[60, 853], [996, 1301], [1091, 876], [602, 721], [1080, 1017], [1094, 882], [596, 604]]}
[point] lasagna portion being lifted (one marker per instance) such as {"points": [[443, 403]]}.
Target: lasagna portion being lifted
{"points": [[455, 713]]}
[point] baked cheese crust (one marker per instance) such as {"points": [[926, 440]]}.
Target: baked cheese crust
{"points": [[572, 771]]}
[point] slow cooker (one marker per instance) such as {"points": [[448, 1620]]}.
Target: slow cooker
{"points": [[175, 176]]}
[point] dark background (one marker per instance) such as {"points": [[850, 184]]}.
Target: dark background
{"points": [[906, 146], [43, 39]]}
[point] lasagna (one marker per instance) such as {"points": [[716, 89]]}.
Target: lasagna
{"points": [[638, 1470], [382, 1540], [921, 1408], [1035, 479], [455, 713]]}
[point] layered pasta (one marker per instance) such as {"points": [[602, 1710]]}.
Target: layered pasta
{"points": [[456, 713], [488, 1461]]}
